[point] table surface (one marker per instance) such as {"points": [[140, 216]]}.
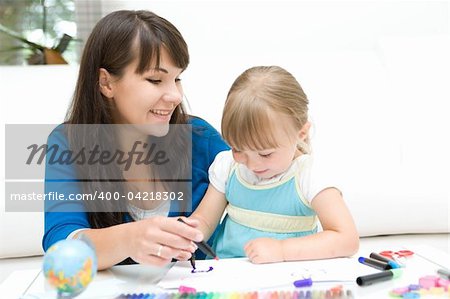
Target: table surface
{"points": [[30, 283]]}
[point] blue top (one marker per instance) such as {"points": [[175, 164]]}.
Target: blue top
{"points": [[206, 143]]}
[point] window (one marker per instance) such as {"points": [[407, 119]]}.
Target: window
{"points": [[44, 23]]}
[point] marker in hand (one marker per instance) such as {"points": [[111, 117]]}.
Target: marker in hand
{"points": [[204, 247]]}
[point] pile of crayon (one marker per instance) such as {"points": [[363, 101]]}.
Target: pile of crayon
{"points": [[335, 293], [428, 285]]}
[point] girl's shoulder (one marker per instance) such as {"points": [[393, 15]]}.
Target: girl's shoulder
{"points": [[225, 160], [220, 170], [312, 177], [302, 163]]}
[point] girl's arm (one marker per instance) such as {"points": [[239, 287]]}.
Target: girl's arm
{"points": [[210, 211], [153, 241], [339, 236]]}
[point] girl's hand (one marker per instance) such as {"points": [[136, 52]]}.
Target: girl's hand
{"points": [[264, 250], [156, 241]]}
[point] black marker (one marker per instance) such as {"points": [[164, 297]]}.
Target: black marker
{"points": [[378, 277], [204, 247], [444, 273], [390, 262], [379, 257], [192, 261], [374, 263]]}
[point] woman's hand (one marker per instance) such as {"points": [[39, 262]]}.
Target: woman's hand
{"points": [[264, 250], [158, 240]]}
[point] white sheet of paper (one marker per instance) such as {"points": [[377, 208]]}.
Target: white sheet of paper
{"points": [[240, 274]]}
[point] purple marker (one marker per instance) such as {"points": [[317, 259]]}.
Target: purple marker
{"points": [[303, 283]]}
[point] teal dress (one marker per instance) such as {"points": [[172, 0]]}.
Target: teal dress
{"points": [[277, 210]]}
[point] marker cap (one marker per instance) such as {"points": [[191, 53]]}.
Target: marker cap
{"points": [[397, 273]]}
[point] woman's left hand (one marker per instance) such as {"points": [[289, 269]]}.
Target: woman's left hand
{"points": [[264, 250]]}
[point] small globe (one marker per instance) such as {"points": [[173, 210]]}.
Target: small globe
{"points": [[69, 266]]}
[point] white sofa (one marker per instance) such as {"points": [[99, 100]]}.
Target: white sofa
{"points": [[385, 144], [29, 95]]}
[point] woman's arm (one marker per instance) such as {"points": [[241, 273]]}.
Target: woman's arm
{"points": [[339, 236], [61, 217], [140, 240], [210, 211]]}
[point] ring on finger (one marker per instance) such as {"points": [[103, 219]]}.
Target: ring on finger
{"points": [[159, 250]]}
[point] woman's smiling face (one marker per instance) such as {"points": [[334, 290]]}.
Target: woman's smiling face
{"points": [[149, 98]]}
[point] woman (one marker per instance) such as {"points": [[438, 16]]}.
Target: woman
{"points": [[130, 76]]}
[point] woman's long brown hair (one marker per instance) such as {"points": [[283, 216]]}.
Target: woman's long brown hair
{"points": [[112, 46]]}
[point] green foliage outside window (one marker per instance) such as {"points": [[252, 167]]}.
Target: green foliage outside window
{"points": [[26, 25]]}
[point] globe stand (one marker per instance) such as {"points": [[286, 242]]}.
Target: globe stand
{"points": [[62, 295]]}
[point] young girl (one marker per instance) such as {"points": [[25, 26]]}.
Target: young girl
{"points": [[267, 184]]}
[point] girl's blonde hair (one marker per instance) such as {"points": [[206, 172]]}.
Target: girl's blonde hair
{"points": [[248, 120]]}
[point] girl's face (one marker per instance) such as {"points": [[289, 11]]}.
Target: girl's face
{"points": [[145, 99], [270, 162]]}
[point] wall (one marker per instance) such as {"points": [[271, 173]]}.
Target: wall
{"points": [[376, 73], [343, 41]]}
